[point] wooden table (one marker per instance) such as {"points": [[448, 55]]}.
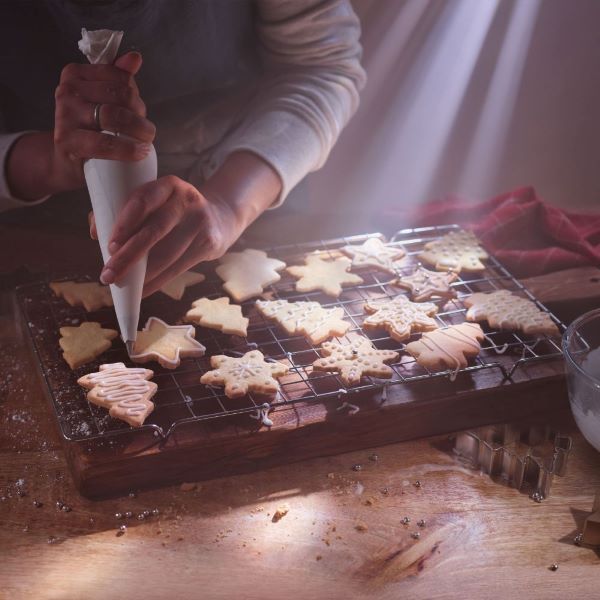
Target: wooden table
{"points": [[343, 536]]}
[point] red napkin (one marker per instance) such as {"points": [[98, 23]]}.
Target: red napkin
{"points": [[528, 236]]}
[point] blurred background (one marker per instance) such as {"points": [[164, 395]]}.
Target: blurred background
{"points": [[471, 97]]}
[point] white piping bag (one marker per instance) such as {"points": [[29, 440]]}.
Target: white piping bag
{"points": [[109, 183]]}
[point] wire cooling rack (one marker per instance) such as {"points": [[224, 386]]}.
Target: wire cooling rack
{"points": [[181, 398]]}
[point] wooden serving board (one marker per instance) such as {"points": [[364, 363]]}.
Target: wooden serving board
{"points": [[121, 460]]}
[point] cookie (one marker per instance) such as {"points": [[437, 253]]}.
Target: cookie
{"points": [[504, 310], [447, 347], [89, 294], [400, 317], [326, 275], [248, 373], [176, 287], [354, 360], [126, 392], [305, 318], [424, 284], [456, 251], [247, 273], [218, 314], [167, 344], [374, 253], [83, 344]]}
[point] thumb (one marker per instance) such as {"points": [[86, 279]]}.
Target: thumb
{"points": [[130, 62]]}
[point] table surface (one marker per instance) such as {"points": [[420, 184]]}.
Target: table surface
{"points": [[343, 537]]}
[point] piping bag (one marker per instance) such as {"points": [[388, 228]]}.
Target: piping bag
{"points": [[109, 183]]}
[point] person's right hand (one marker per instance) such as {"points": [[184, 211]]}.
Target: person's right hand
{"points": [[76, 134]]}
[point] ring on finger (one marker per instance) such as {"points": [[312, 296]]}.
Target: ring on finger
{"points": [[97, 116]]}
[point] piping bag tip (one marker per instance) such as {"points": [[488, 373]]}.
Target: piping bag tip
{"points": [[129, 345]]}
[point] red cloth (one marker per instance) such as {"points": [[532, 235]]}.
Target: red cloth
{"points": [[528, 236]]}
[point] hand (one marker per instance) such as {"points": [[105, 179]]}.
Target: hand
{"points": [[76, 135], [177, 224]]}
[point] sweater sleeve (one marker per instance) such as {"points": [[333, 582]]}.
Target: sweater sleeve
{"points": [[7, 200], [311, 53]]}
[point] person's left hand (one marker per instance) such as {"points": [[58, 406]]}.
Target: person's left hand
{"points": [[176, 224]]}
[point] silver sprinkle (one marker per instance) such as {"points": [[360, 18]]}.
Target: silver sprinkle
{"points": [[374, 457], [417, 484], [66, 508], [385, 491], [141, 517], [146, 513], [118, 515], [554, 567], [406, 520], [52, 539], [38, 504], [415, 535], [578, 539], [357, 467], [155, 512], [421, 523], [132, 494], [123, 528], [128, 514]]}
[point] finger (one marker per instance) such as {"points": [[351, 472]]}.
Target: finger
{"points": [[169, 249], [87, 72], [74, 113], [130, 62], [83, 144], [92, 224], [154, 229], [141, 204], [101, 92], [186, 261]]}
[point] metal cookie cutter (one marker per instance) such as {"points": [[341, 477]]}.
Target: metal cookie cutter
{"points": [[524, 457]]}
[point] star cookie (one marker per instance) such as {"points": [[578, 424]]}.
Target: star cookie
{"points": [[305, 318], [89, 294], [247, 273], [167, 344], [424, 284], [400, 317], [374, 253], [126, 392], [504, 310], [354, 360], [326, 275], [218, 314], [455, 251], [176, 287], [83, 344], [248, 373], [448, 346]]}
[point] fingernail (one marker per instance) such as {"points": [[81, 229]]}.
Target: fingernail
{"points": [[107, 276], [113, 247], [141, 150]]}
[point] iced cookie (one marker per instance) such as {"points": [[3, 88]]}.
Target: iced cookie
{"points": [[374, 253], [124, 391], [176, 287], [248, 373], [167, 344], [354, 360], [218, 314], [400, 317], [89, 294], [305, 318], [504, 310], [83, 344], [326, 275], [247, 273], [449, 347], [424, 284], [456, 251]]}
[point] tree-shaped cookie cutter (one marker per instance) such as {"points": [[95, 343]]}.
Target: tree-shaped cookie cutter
{"points": [[524, 457]]}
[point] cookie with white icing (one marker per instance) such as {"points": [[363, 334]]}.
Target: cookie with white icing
{"points": [[400, 317], [505, 310], [449, 347], [456, 251], [124, 391], [247, 273], [374, 253], [424, 284], [248, 373], [328, 276], [218, 314], [354, 360], [89, 294], [166, 344], [82, 344], [305, 318]]}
